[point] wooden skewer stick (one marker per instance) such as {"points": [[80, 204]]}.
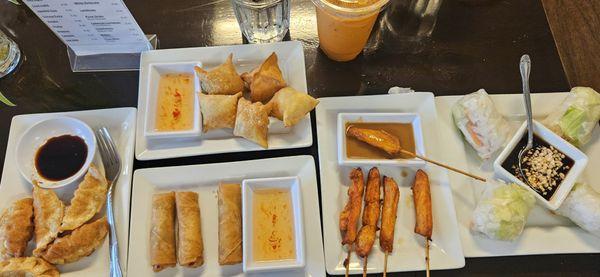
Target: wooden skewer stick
{"points": [[427, 257], [385, 264], [347, 261], [405, 152], [365, 267]]}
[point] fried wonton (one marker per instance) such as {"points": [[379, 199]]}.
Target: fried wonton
{"points": [[48, 212], [27, 266], [16, 228], [222, 79], [218, 111], [290, 105], [87, 200], [80, 243], [265, 80], [252, 121]]}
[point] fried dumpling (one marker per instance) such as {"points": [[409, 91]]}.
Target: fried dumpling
{"points": [[218, 111], [265, 80], [252, 121], [48, 212], [222, 79], [80, 243], [16, 228], [87, 200], [290, 105], [27, 266]]}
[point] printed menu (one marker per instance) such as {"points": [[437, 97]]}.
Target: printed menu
{"points": [[93, 26]]}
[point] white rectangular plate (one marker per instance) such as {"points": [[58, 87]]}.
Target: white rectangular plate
{"points": [[409, 248], [121, 125], [204, 180], [545, 233], [245, 57]]}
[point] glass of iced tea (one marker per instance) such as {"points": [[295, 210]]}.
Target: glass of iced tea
{"points": [[344, 26]]}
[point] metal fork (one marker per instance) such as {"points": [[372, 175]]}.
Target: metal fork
{"points": [[112, 169], [525, 67]]}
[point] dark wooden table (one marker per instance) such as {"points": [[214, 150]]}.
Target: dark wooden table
{"points": [[476, 44]]}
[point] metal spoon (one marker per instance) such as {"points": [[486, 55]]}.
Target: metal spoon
{"points": [[525, 66]]}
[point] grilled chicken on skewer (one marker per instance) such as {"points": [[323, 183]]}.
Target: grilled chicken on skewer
{"points": [[423, 213], [376, 138], [371, 212], [391, 194], [351, 212], [391, 145]]}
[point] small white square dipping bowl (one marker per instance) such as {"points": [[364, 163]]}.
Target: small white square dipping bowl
{"points": [[154, 74], [287, 183], [410, 118], [579, 158]]}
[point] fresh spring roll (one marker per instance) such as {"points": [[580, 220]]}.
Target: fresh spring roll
{"points": [[162, 234], [582, 206], [230, 224], [483, 127], [190, 248], [422, 198], [502, 211]]}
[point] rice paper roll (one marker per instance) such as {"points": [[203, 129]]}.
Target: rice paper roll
{"points": [[162, 234], [483, 127], [502, 211], [190, 248], [576, 117], [582, 206], [230, 224]]}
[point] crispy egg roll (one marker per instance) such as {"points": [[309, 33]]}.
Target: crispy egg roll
{"points": [[162, 234], [351, 213], [230, 224], [422, 198], [190, 248], [391, 194]]}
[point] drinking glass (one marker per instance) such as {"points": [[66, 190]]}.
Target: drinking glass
{"points": [[9, 55], [262, 21]]}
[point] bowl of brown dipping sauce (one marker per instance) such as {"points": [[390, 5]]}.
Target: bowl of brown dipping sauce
{"points": [[550, 167], [390, 132], [56, 152]]}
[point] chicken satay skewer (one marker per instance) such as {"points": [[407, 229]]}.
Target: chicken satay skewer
{"points": [[371, 212], [423, 213], [351, 212], [391, 194], [391, 145]]}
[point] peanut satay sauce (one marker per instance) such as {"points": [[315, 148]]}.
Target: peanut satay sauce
{"points": [[356, 149], [273, 235]]}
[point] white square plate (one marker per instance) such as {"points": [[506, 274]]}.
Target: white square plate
{"points": [[245, 57], [409, 248], [121, 125], [545, 232], [204, 179]]}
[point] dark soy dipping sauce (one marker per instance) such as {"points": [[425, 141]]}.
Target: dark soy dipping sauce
{"points": [[60, 157], [511, 164]]}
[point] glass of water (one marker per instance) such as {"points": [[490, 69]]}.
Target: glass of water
{"points": [[9, 55], [263, 21]]}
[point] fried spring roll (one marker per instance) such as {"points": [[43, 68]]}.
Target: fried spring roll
{"points": [[391, 194], [422, 198], [230, 224], [365, 240], [376, 138], [372, 202], [162, 234], [190, 247], [351, 212]]}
